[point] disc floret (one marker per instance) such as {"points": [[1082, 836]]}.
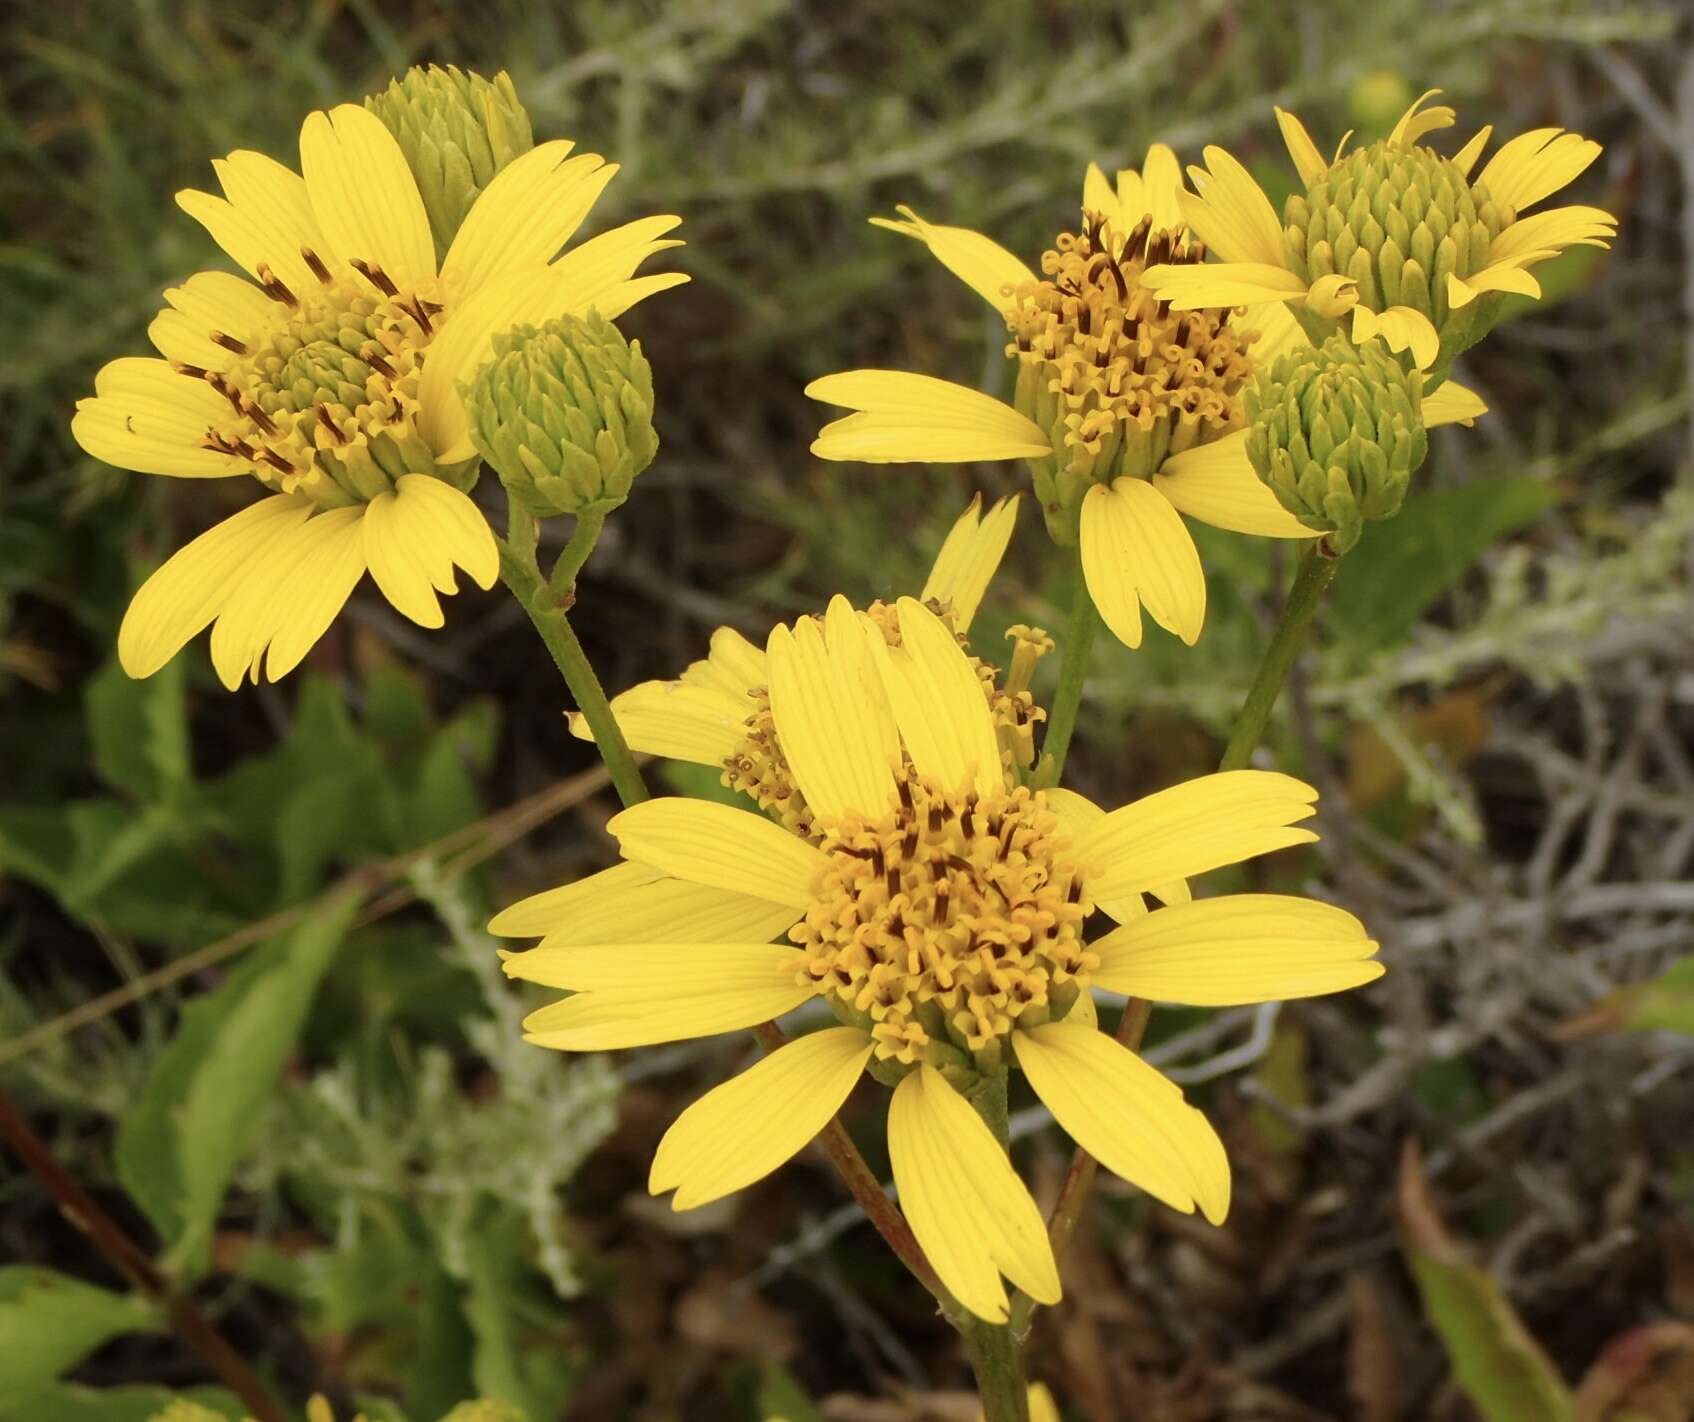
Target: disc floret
{"points": [[947, 921], [1118, 380]]}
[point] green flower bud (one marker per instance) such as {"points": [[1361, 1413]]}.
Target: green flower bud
{"points": [[564, 413], [1336, 433], [457, 131], [1397, 220]]}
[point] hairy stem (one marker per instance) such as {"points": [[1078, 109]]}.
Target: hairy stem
{"points": [[1073, 671], [867, 1189], [130, 1260], [546, 611], [1317, 571]]}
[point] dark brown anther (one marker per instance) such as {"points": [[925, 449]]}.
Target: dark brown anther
{"points": [[253, 412], [1073, 894], [415, 309], [936, 819], [891, 880], [229, 342], [375, 275], [273, 287], [315, 262], [375, 360], [328, 422], [967, 821], [908, 845], [938, 914], [193, 372], [904, 788], [276, 461], [224, 388]]}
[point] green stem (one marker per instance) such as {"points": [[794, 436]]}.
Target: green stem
{"points": [[523, 577], [1073, 671], [998, 1366], [1317, 571], [562, 581]]}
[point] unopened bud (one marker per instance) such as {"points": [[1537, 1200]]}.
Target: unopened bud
{"points": [[1336, 433], [564, 413], [457, 131]]}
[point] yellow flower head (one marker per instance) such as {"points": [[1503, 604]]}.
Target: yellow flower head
{"points": [[1395, 233], [1129, 413], [332, 379], [718, 712], [942, 912]]}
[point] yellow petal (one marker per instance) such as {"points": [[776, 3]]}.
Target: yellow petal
{"points": [[1546, 234], [1413, 124], [709, 843], [395, 564], [677, 719], [1077, 816], [146, 417], [1136, 551], [1161, 185], [1126, 1115], [1308, 162], [909, 417], [1042, 1407], [522, 219], [1238, 949], [666, 992], [1195, 827], [290, 592], [832, 719], [194, 585], [979, 262], [621, 295], [208, 302], [1216, 483], [1452, 404], [248, 241], [1189, 287], [1465, 159], [746, 1128], [968, 559], [1278, 330], [363, 194], [276, 199], [1535, 165], [734, 663], [1231, 213], [970, 1212], [938, 702], [1099, 198], [1401, 328], [415, 536], [632, 903], [1502, 276]]}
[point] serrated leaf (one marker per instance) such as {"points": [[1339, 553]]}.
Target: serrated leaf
{"points": [[1407, 562], [50, 1322], [182, 1139], [1495, 1359]]}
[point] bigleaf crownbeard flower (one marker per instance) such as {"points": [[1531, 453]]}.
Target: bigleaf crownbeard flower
{"points": [[1129, 413], [1400, 237], [332, 378], [941, 910]]}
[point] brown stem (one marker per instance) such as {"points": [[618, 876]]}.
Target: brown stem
{"points": [[1079, 1178], [130, 1260], [866, 1188]]}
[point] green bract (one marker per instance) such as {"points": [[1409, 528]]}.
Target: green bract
{"points": [[457, 131], [564, 413], [1336, 432]]}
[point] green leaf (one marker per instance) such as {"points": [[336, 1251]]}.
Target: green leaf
{"points": [[50, 1322], [1406, 563], [180, 1142], [139, 730], [1494, 1357], [72, 1402], [1666, 1003]]}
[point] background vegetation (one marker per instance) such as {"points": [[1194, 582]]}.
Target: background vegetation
{"points": [[294, 1071]]}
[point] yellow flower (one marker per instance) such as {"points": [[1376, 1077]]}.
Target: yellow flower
{"points": [[1042, 1407], [940, 910], [1400, 236], [1130, 415], [717, 712], [312, 379]]}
